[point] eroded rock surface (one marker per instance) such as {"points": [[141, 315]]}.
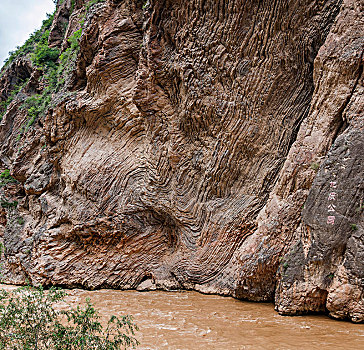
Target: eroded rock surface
{"points": [[196, 145]]}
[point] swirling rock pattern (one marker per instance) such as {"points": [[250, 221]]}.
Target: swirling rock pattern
{"points": [[186, 148]]}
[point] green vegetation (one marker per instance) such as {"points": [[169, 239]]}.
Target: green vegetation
{"points": [[67, 58], [354, 227], [6, 178], [45, 59], [7, 205], [29, 45], [29, 320], [91, 3], [43, 55], [20, 220], [315, 166], [55, 67], [284, 263]]}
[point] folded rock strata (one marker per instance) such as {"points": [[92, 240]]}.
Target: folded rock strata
{"points": [[207, 145]]}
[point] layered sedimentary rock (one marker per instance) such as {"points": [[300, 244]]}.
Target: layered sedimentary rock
{"points": [[207, 145]]}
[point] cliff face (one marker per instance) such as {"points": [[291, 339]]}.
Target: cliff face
{"points": [[207, 145]]}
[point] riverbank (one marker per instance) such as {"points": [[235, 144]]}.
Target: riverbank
{"points": [[190, 320]]}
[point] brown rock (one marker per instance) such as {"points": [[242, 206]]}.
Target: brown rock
{"points": [[184, 146]]}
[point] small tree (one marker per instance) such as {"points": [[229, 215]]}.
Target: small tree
{"points": [[29, 321]]}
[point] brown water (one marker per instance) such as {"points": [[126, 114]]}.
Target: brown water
{"points": [[189, 320]]}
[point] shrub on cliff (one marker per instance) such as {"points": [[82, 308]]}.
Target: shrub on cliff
{"points": [[6, 178], [29, 320], [54, 65], [43, 55]]}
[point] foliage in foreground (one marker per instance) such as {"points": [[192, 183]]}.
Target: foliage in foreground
{"points": [[29, 321]]}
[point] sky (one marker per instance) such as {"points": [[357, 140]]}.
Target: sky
{"points": [[18, 19]]}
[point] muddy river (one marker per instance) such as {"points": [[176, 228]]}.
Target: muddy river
{"points": [[189, 320]]}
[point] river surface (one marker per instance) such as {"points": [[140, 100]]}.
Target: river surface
{"points": [[189, 320]]}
